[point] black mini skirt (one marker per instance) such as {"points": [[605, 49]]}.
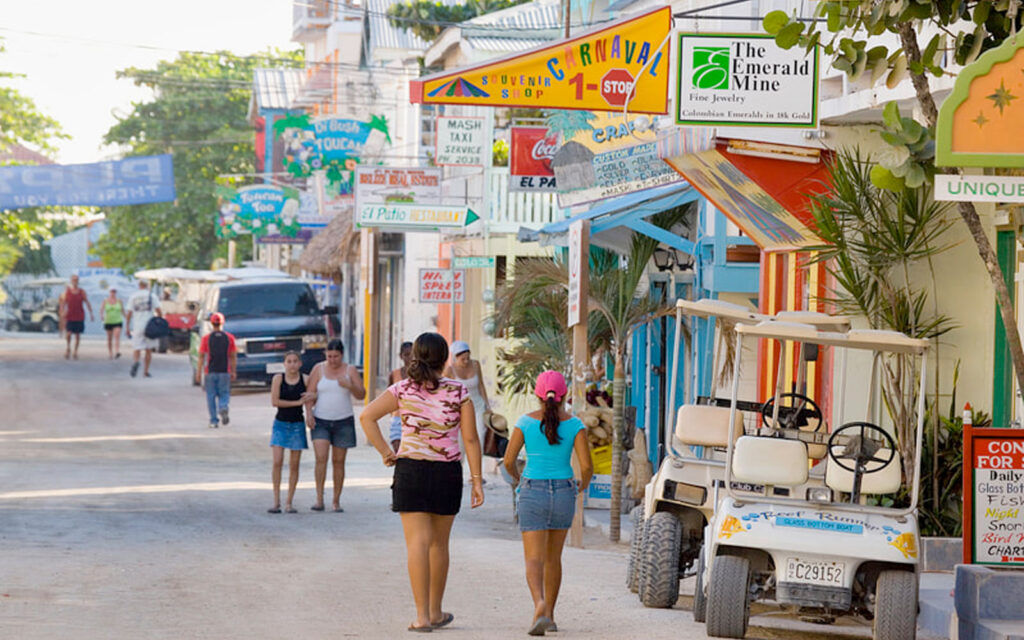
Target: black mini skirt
{"points": [[427, 486]]}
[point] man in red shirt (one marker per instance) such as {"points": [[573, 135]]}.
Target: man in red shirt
{"points": [[217, 357], [72, 303]]}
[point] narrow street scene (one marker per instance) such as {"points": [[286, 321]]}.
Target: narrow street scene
{"points": [[492, 318]]}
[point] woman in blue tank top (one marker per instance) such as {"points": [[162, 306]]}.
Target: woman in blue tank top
{"points": [[547, 491]]}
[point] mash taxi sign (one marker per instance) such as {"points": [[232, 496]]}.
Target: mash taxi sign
{"points": [[593, 72]]}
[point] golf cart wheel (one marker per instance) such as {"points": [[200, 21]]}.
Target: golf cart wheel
{"points": [[636, 517], [728, 607], [659, 582], [895, 606], [700, 601], [48, 325]]}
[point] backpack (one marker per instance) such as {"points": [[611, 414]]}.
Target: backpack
{"points": [[157, 328]]}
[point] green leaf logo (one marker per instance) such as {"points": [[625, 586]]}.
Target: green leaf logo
{"points": [[711, 68]]}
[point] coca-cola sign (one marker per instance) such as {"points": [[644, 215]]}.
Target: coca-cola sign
{"points": [[530, 162]]}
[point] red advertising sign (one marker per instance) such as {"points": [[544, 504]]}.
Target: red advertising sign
{"points": [[993, 496], [530, 162]]}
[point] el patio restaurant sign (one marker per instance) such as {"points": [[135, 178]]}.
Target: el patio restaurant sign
{"points": [[598, 71], [727, 79]]}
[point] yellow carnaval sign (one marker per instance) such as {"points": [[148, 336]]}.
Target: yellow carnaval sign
{"points": [[591, 72]]}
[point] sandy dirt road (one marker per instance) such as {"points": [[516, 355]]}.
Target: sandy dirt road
{"points": [[123, 516]]}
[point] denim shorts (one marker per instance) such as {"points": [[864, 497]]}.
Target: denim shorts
{"points": [[546, 504], [341, 433], [290, 435]]}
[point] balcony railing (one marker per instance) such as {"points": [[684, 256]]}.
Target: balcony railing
{"points": [[510, 210], [310, 18]]}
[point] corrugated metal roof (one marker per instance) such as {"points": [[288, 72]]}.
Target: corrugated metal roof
{"points": [[540, 14], [503, 44], [275, 88]]}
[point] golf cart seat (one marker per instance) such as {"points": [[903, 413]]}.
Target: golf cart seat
{"points": [[887, 480], [770, 461], [700, 425]]}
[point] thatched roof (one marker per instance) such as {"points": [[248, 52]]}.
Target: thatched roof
{"points": [[337, 244]]}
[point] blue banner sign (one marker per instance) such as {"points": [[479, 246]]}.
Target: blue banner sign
{"points": [[136, 180]]}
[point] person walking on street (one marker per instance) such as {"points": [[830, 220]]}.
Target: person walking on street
{"points": [[332, 419], [112, 311], [467, 371], [142, 305], [395, 433], [72, 311], [427, 487], [288, 393], [219, 359], [547, 491]]}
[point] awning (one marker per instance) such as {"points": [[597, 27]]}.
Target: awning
{"points": [[766, 197], [614, 221]]}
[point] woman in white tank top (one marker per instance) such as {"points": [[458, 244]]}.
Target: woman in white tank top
{"points": [[467, 371], [331, 418]]}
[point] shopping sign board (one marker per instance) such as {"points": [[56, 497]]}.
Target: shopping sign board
{"points": [[598, 70], [415, 217], [993, 481], [579, 263], [439, 285], [734, 79], [259, 210], [979, 123], [462, 142], [959, 188], [403, 198], [530, 159]]}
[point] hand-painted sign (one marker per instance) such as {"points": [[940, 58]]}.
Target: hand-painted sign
{"points": [[462, 142], [332, 145], [380, 185], [135, 180], [579, 236], [732, 79], [979, 188], [474, 262], [399, 216], [530, 159], [979, 123], [993, 496], [599, 70], [259, 210], [439, 285], [602, 157]]}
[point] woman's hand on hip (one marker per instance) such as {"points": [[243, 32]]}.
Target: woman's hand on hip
{"points": [[388, 457]]}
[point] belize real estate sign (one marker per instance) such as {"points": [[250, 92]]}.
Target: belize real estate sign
{"points": [[744, 80]]}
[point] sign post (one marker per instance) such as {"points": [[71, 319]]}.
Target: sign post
{"points": [[579, 288]]}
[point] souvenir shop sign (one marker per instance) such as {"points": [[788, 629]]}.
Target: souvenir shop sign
{"points": [[603, 159], [600, 70], [993, 496], [530, 158], [258, 210], [979, 123], [744, 80], [462, 142]]}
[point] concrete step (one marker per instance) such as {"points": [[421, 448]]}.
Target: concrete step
{"points": [[987, 629]]}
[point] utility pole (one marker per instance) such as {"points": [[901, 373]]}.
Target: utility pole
{"points": [[579, 294], [568, 8]]}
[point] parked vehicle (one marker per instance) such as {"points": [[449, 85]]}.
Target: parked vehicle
{"points": [[824, 551], [34, 306], [180, 307], [268, 317]]}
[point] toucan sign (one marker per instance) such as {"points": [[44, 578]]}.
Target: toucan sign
{"points": [[600, 70]]}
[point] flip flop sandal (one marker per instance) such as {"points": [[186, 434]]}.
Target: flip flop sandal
{"points": [[339, 510], [445, 621], [540, 625], [291, 510], [415, 629], [552, 627], [316, 508], [274, 510]]}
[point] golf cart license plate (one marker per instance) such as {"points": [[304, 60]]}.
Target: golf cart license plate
{"points": [[275, 367], [831, 574]]}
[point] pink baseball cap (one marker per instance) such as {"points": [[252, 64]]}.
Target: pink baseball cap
{"points": [[550, 382]]}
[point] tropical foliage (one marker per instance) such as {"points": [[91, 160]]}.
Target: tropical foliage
{"points": [[198, 113], [428, 19], [566, 124]]}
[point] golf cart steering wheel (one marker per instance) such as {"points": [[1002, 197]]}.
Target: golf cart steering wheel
{"points": [[861, 450], [804, 413]]}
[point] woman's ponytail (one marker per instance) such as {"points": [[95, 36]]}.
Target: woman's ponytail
{"points": [[551, 418]]}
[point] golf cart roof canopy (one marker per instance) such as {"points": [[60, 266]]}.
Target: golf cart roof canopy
{"points": [[43, 282], [706, 307], [177, 274], [870, 339]]}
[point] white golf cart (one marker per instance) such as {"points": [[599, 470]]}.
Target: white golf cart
{"points": [[180, 309], [668, 528], [822, 550]]}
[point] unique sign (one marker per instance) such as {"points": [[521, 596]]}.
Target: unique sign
{"points": [[474, 262], [606, 156], [440, 285], [994, 496], [401, 216], [462, 142], [135, 180], [732, 79], [598, 70], [979, 123], [532, 151], [259, 210], [979, 188], [579, 233]]}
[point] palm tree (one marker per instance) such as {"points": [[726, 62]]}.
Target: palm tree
{"points": [[566, 124]]}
